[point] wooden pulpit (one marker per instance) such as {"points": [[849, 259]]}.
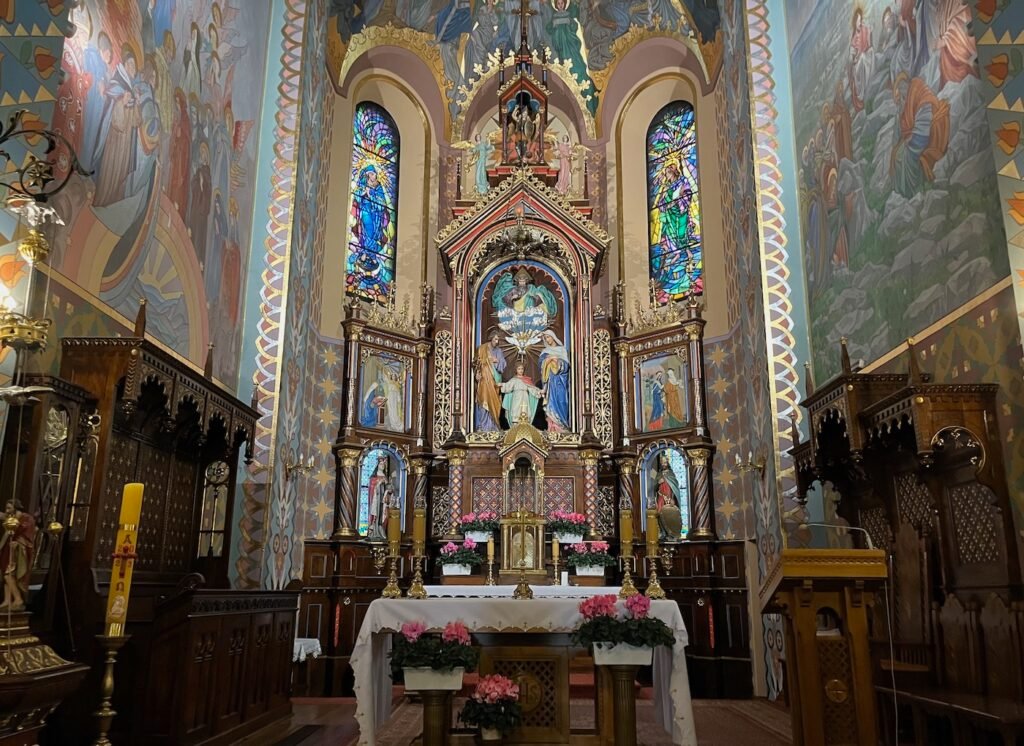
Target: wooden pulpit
{"points": [[825, 596]]}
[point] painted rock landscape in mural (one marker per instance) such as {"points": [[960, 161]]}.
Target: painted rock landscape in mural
{"points": [[899, 210], [159, 100]]}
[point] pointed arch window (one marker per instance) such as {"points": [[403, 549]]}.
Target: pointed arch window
{"points": [[373, 215], [676, 251]]}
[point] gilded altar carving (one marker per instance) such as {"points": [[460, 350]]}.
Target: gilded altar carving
{"points": [[443, 418]]}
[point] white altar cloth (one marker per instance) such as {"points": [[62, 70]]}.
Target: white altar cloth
{"points": [[371, 667], [305, 647], [506, 591]]}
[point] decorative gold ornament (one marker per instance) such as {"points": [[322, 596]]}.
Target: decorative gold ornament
{"points": [[654, 589], [22, 332], [34, 248]]}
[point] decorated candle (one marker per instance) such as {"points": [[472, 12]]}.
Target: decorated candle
{"points": [[626, 530], [652, 532], [419, 525], [131, 503], [394, 525], [554, 550], [490, 549]]}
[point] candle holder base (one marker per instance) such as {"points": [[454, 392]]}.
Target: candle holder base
{"points": [[490, 574], [628, 589], [523, 590], [416, 590], [391, 590], [557, 579], [654, 589], [105, 715]]}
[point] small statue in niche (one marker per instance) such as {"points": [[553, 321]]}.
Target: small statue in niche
{"points": [[664, 497], [381, 492], [16, 547]]}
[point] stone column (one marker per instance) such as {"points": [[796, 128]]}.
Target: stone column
{"points": [[346, 492], [702, 504]]}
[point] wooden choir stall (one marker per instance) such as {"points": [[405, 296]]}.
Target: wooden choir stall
{"points": [[919, 467], [201, 663]]}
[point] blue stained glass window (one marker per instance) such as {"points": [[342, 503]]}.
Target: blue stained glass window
{"points": [[373, 216], [676, 250]]}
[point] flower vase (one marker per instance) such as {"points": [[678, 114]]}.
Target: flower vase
{"points": [[451, 569], [609, 654], [594, 571], [422, 679], [480, 537], [569, 538], [490, 734]]}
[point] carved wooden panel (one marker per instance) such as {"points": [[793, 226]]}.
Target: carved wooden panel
{"points": [[959, 645], [487, 494], [600, 511], [876, 522], [914, 500], [441, 523], [1001, 632], [974, 523], [120, 471], [177, 538], [911, 587], [153, 471], [839, 710]]}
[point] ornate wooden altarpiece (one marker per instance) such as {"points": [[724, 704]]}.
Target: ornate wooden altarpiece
{"points": [[523, 285]]}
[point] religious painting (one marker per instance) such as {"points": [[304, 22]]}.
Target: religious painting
{"points": [[522, 121], [666, 484], [381, 486], [385, 390], [676, 251], [373, 222], [661, 391], [899, 204], [157, 100], [522, 366], [579, 34]]}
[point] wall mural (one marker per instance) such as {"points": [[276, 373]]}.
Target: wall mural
{"points": [[675, 249], [578, 32], [521, 367], [385, 391], [156, 99], [899, 208], [662, 401]]}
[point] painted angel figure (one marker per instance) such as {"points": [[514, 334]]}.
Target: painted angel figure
{"points": [[479, 157], [566, 153]]}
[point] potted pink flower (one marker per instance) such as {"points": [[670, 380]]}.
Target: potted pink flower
{"points": [[621, 641], [589, 558], [429, 660], [459, 560], [493, 708], [479, 526], [568, 528]]}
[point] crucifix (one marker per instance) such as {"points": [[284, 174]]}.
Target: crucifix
{"points": [[524, 17]]}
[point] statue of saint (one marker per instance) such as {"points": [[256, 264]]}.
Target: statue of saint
{"points": [[16, 558], [490, 366], [381, 494], [521, 397], [664, 497]]}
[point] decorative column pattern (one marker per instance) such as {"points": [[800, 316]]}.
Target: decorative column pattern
{"points": [[346, 505], [420, 468], [422, 349], [702, 514], [627, 492], [456, 464], [443, 421], [700, 405], [351, 379], [589, 459], [623, 399]]}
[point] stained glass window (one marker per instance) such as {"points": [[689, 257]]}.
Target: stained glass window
{"points": [[676, 252], [373, 217]]}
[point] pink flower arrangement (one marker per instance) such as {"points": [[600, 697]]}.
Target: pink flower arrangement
{"points": [[597, 606], [469, 544], [456, 632], [468, 518], [412, 631], [589, 554], [494, 688], [449, 548], [485, 520], [453, 554], [638, 606], [565, 516]]}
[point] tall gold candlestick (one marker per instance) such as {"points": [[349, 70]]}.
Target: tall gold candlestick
{"points": [[391, 590], [654, 589]]}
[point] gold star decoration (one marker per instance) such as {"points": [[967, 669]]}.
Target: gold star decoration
{"points": [[330, 356], [329, 386], [726, 477], [721, 416], [322, 510], [323, 477], [718, 355], [728, 509], [720, 386], [323, 446], [725, 445], [326, 416]]}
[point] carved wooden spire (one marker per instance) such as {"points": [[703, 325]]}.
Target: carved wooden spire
{"points": [[915, 368], [808, 380], [140, 319], [208, 365], [844, 355]]}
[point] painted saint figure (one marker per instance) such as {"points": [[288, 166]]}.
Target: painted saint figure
{"points": [[862, 59], [554, 366], [490, 365], [16, 549], [116, 139], [521, 397], [381, 493], [675, 408], [664, 496], [482, 150], [564, 152], [654, 388]]}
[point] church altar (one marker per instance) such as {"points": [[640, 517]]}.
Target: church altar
{"points": [[371, 669], [506, 591]]}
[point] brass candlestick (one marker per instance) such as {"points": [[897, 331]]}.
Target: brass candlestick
{"points": [[557, 579], [391, 590], [654, 589], [523, 589], [490, 573], [627, 589], [105, 715], [416, 590]]}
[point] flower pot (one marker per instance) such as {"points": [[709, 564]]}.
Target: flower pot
{"points": [[457, 569], [594, 571], [420, 679], [480, 537], [568, 538], [607, 654], [490, 734]]}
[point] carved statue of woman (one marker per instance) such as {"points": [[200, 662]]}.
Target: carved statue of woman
{"points": [[16, 558]]}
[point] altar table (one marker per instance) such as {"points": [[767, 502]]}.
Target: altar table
{"points": [[372, 670]]}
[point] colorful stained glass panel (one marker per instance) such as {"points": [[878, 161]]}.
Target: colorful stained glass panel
{"points": [[373, 218], [676, 250]]}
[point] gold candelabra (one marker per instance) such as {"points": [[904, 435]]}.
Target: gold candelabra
{"points": [[111, 644], [654, 589], [523, 589], [416, 590], [490, 572], [627, 589], [557, 580], [391, 590]]}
